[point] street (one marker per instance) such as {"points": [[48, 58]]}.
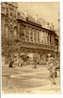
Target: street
{"points": [[28, 80]]}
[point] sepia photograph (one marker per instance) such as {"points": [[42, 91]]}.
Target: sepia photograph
{"points": [[30, 42]]}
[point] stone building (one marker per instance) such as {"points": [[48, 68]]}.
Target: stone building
{"points": [[36, 40], [8, 24], [26, 36]]}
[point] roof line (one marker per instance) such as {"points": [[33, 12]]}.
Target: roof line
{"points": [[35, 24]]}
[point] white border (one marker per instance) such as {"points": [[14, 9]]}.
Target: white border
{"points": [[61, 44], [61, 49], [30, 0], [0, 53]]}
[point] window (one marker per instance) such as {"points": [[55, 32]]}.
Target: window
{"points": [[31, 36], [10, 13], [27, 35], [41, 35]]}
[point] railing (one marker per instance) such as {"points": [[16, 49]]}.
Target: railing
{"points": [[36, 45]]}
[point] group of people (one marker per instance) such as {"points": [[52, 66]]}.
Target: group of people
{"points": [[15, 60], [51, 65]]}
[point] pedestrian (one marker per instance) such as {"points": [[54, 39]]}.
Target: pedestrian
{"points": [[15, 60], [20, 61], [11, 62], [51, 68]]}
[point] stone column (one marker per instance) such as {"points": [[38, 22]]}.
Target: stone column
{"points": [[36, 37], [33, 37], [25, 35], [49, 39], [29, 35], [43, 38], [46, 37]]}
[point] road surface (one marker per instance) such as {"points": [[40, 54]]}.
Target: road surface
{"points": [[26, 79]]}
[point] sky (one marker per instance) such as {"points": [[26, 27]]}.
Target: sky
{"points": [[49, 11]]}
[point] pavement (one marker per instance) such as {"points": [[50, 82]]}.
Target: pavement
{"points": [[27, 80]]}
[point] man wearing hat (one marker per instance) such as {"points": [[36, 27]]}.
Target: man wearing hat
{"points": [[51, 68]]}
